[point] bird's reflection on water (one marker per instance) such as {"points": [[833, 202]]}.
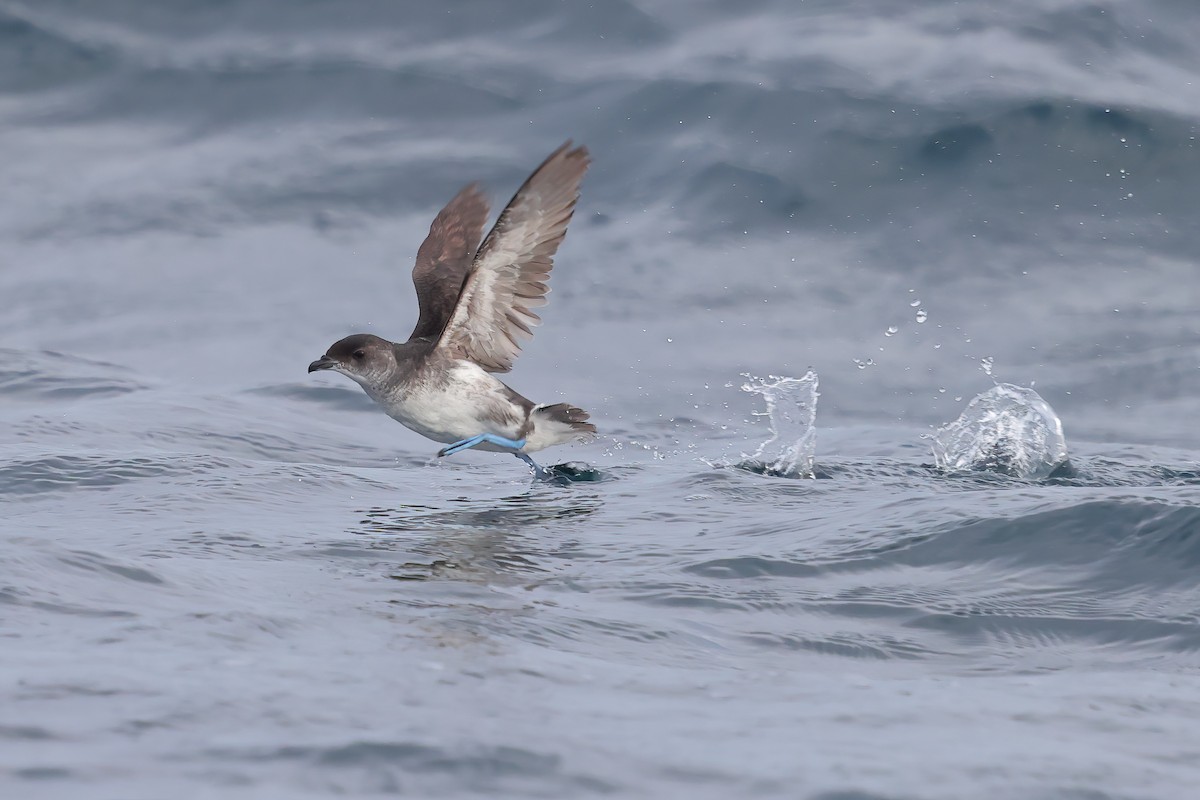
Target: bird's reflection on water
{"points": [[488, 540]]}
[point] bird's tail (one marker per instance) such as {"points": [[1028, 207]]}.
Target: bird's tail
{"points": [[556, 424]]}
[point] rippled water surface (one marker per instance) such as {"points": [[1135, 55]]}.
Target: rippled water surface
{"points": [[223, 577]]}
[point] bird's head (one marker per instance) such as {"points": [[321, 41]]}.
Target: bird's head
{"points": [[367, 359]]}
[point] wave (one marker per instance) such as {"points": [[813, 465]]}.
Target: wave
{"points": [[53, 473], [390, 766], [46, 376], [37, 56]]}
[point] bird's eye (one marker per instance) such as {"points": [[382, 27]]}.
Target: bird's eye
{"points": [[358, 355]]}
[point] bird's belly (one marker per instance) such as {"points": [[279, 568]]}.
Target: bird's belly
{"points": [[455, 411], [430, 425]]}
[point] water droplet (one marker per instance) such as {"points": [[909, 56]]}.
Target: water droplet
{"points": [[985, 364], [915, 303], [891, 331], [922, 315], [942, 390]]}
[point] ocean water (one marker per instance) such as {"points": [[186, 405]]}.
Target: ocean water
{"points": [[223, 577]]}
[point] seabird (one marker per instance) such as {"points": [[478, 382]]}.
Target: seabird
{"points": [[475, 309]]}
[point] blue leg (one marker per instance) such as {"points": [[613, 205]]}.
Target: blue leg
{"points": [[513, 444], [475, 441]]}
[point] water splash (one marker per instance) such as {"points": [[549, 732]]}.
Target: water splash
{"points": [[575, 472], [792, 413], [1008, 429]]}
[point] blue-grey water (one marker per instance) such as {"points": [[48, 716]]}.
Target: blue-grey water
{"points": [[221, 577]]}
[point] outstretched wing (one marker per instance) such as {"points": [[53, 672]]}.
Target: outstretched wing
{"points": [[445, 257], [509, 274]]}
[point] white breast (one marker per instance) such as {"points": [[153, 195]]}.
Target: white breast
{"points": [[464, 402]]}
